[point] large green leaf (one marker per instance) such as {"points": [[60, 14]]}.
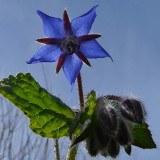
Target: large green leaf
{"points": [[142, 136], [49, 116]]}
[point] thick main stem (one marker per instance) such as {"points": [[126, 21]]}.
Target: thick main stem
{"points": [[80, 91], [72, 152]]}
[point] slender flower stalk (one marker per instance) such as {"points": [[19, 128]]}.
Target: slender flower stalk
{"points": [[80, 91]]}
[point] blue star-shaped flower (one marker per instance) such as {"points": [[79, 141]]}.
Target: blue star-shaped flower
{"points": [[69, 43]]}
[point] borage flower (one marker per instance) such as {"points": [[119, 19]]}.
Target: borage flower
{"points": [[69, 43]]}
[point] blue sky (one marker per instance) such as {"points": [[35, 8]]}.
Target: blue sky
{"points": [[130, 33]]}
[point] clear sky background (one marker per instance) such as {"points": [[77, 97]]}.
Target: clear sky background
{"points": [[130, 33]]}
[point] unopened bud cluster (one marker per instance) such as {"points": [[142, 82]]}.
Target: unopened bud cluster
{"points": [[109, 128]]}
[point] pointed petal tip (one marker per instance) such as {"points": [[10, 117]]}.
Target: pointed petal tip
{"points": [[38, 12], [95, 7], [111, 58], [72, 86], [29, 62]]}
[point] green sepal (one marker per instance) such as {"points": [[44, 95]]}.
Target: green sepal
{"points": [[142, 136]]}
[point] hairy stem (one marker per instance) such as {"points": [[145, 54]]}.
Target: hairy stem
{"points": [[56, 150], [80, 91], [72, 152]]}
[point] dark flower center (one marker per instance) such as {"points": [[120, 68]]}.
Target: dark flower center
{"points": [[70, 44]]}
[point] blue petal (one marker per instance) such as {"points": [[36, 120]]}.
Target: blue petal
{"points": [[92, 49], [82, 25], [48, 53], [71, 68], [53, 27]]}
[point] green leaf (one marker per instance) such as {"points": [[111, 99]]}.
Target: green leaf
{"points": [[142, 136], [49, 116]]}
